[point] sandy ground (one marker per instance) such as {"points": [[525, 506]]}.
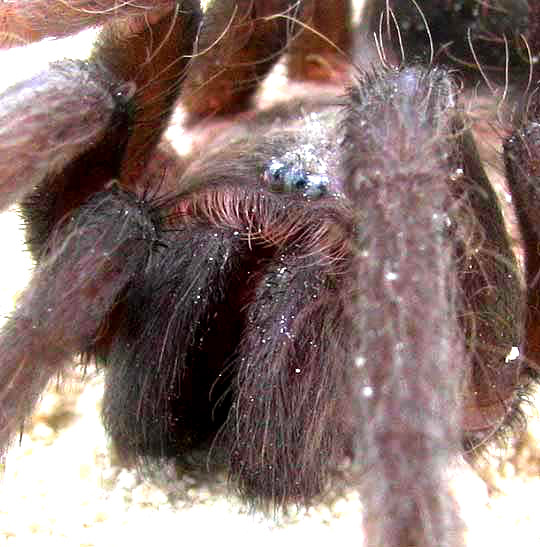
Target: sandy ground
{"points": [[61, 488]]}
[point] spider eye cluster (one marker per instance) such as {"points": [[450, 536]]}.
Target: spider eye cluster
{"points": [[288, 178]]}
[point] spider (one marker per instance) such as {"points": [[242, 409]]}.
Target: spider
{"points": [[319, 286]]}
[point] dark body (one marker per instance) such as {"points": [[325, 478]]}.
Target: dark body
{"points": [[323, 285]]}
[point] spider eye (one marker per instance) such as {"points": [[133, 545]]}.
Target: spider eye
{"points": [[286, 178]]}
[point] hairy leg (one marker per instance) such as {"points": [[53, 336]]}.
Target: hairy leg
{"points": [[491, 303], [109, 114], [289, 425], [54, 117], [321, 50], [521, 151], [90, 262], [96, 107], [409, 358], [161, 397], [152, 56], [25, 21], [239, 42]]}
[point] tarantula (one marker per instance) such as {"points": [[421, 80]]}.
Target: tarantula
{"points": [[326, 283]]}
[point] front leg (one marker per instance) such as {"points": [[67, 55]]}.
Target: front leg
{"points": [[54, 117], [69, 130], [91, 260], [153, 56], [72, 129]]}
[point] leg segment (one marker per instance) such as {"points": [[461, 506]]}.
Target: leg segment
{"points": [[239, 43], [320, 51], [410, 360], [162, 366], [91, 261], [152, 55], [521, 152], [25, 21], [98, 135], [54, 117], [491, 301], [288, 425]]}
